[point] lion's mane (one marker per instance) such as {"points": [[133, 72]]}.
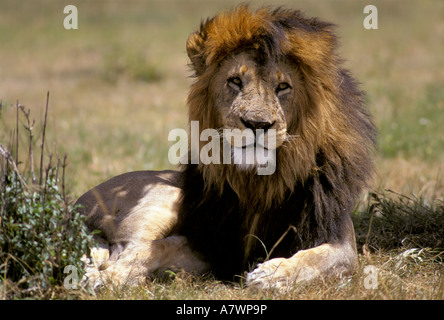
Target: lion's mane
{"points": [[320, 172]]}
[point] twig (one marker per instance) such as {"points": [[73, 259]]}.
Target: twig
{"points": [[57, 169], [63, 177], [45, 188], [29, 127], [7, 155], [17, 136], [46, 178], [43, 139], [17, 141], [279, 240]]}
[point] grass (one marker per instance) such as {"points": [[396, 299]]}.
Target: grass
{"points": [[400, 275], [390, 223], [119, 84]]}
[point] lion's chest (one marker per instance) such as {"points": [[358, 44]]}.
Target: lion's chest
{"points": [[231, 236]]}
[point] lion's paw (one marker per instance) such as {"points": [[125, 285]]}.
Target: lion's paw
{"points": [[93, 279], [115, 276], [274, 273], [282, 273], [96, 279]]}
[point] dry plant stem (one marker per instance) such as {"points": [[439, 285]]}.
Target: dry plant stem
{"points": [[17, 132], [7, 155], [43, 139], [57, 168], [29, 127], [63, 177], [41, 158], [46, 183]]}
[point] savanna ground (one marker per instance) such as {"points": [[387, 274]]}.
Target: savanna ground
{"points": [[119, 83]]}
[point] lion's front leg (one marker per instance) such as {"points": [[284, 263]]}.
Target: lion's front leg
{"points": [[305, 265], [139, 262]]}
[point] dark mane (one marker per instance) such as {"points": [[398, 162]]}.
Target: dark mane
{"points": [[218, 226]]}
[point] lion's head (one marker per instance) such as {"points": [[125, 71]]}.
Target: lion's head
{"points": [[277, 71]]}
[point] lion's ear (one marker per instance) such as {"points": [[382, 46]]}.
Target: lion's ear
{"points": [[196, 51]]}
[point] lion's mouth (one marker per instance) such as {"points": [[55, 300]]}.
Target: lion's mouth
{"points": [[255, 156], [252, 150], [253, 145]]}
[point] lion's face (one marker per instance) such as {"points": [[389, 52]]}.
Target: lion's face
{"points": [[254, 102], [254, 97]]}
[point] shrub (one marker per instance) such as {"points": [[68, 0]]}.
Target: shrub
{"points": [[40, 231]]}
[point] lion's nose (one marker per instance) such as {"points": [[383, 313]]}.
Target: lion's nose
{"points": [[254, 125]]}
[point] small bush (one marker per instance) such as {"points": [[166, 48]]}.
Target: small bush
{"points": [[40, 232]]}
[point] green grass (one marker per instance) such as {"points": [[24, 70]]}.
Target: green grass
{"points": [[417, 133], [119, 84]]}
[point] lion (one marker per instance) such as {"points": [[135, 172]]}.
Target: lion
{"points": [[272, 72]]}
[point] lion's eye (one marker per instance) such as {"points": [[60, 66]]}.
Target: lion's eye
{"points": [[235, 83], [282, 87]]}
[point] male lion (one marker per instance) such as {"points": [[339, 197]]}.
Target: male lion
{"points": [[273, 70]]}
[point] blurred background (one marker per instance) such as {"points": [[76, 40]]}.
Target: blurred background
{"points": [[118, 84]]}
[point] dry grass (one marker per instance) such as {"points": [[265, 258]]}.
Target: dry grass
{"points": [[399, 276], [119, 84]]}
